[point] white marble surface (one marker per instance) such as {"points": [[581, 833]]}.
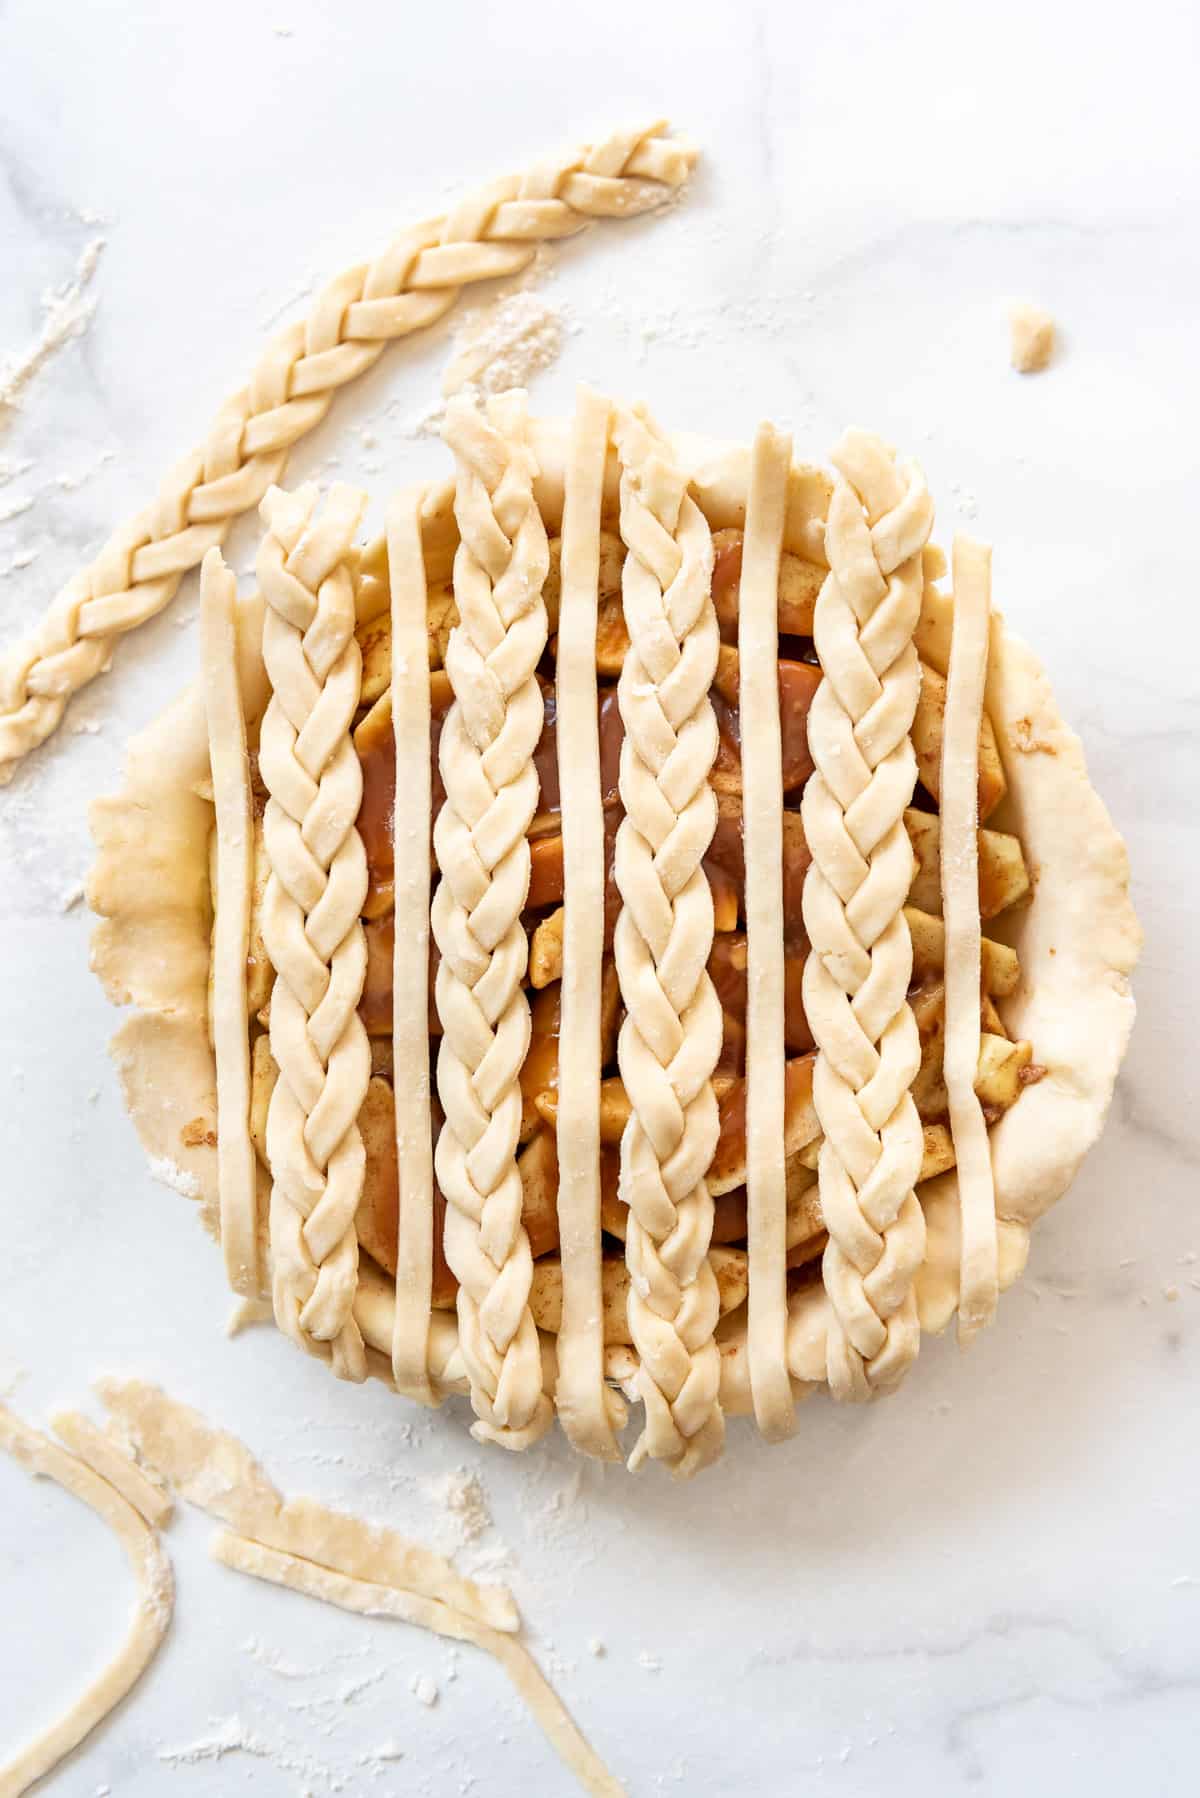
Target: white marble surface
{"points": [[992, 1583]]}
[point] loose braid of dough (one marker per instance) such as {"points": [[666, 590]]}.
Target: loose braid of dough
{"points": [[311, 924], [856, 978], [491, 784], [670, 1040], [418, 278]]}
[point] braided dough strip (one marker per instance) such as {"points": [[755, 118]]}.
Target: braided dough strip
{"points": [[670, 1039], [978, 1286], [236, 1172], [311, 924], [216, 1472], [762, 815], [368, 1599], [410, 966], [589, 1411], [417, 279], [856, 977], [487, 767], [151, 1617]]}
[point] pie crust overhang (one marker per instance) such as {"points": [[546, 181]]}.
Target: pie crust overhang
{"points": [[1077, 939]]}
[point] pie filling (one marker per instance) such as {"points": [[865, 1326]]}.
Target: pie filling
{"points": [[1005, 1066]]}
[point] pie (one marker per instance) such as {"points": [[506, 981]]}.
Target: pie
{"points": [[635, 935]]}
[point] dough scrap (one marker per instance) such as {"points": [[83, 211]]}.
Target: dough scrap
{"points": [[211, 1469], [151, 1616], [1032, 338], [369, 1599], [113, 1463]]}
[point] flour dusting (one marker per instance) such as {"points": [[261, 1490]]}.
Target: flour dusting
{"points": [[460, 1495], [162, 1168], [66, 313], [504, 344]]}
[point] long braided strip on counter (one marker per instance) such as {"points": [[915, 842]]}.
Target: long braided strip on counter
{"points": [[856, 978], [311, 924], [491, 782], [417, 279], [670, 1039]]}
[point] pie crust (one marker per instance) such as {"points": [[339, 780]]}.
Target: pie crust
{"points": [[894, 1266]]}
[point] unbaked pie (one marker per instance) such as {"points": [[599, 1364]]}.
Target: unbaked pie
{"points": [[557, 930]]}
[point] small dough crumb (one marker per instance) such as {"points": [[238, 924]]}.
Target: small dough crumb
{"points": [[423, 1689], [596, 1647], [1032, 339], [170, 1174]]}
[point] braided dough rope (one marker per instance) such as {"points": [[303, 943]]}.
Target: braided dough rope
{"points": [[589, 1411], [486, 760], [236, 1175], [495, 232], [978, 1280], [152, 1613], [311, 926], [856, 977], [670, 1039]]}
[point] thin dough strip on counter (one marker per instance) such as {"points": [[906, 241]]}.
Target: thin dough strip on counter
{"points": [[152, 1612], [370, 1599], [417, 279], [212, 1470], [112, 1463]]}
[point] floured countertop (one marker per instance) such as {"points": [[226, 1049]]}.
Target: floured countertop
{"points": [[991, 1582]]}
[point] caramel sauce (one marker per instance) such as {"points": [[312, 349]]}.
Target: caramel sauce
{"points": [[384, 1185], [726, 583], [539, 1072], [376, 745], [727, 970], [798, 682], [375, 1006], [730, 1152]]}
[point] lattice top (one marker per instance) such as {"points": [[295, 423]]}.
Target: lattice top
{"points": [[681, 912]]}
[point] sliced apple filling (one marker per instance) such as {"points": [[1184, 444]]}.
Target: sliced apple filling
{"points": [[1005, 1067]]}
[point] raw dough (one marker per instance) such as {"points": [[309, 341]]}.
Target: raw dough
{"points": [[151, 1616]]}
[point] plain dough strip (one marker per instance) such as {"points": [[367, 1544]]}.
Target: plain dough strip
{"points": [[417, 279], [972, 581], [588, 1410], [151, 1617], [368, 1599], [410, 966], [211, 1469], [103, 1456], [762, 825], [236, 1172]]}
